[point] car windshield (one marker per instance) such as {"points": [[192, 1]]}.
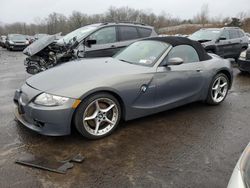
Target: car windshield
{"points": [[79, 34], [17, 37], [206, 34], [144, 52]]}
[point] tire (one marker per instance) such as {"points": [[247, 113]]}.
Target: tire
{"points": [[217, 93], [106, 114]]}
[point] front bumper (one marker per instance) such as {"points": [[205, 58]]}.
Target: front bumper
{"points": [[244, 65], [50, 121], [17, 47]]}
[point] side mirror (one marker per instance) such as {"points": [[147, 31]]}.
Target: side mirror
{"points": [[175, 61], [89, 43]]}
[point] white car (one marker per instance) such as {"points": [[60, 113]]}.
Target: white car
{"points": [[241, 174]]}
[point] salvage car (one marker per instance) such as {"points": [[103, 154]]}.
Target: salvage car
{"points": [[244, 61], [240, 177], [227, 42], [96, 40], [149, 76], [2, 41], [16, 42]]}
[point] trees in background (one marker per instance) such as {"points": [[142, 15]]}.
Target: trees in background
{"points": [[203, 16], [56, 22]]}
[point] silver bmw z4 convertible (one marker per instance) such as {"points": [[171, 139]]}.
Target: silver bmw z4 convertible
{"points": [[147, 77]]}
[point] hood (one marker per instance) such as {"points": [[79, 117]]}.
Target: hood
{"points": [[75, 78], [39, 45], [19, 41]]}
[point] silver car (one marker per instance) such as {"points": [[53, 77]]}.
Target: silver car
{"points": [[241, 174], [147, 77]]}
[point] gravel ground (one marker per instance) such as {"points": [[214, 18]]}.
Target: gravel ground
{"points": [[192, 146]]}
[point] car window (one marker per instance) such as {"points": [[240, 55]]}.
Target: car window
{"points": [[144, 32], [240, 33], [145, 52], [186, 52], [205, 34], [233, 34], [225, 34], [127, 33], [104, 36]]}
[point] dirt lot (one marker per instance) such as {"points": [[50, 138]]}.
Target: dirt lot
{"points": [[192, 146]]}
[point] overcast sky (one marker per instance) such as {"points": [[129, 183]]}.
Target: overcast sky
{"points": [[29, 10]]}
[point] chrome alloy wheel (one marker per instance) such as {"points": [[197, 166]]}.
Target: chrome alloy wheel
{"points": [[219, 89], [100, 116]]}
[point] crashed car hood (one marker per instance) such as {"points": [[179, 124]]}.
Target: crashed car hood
{"points": [[39, 45], [73, 79]]}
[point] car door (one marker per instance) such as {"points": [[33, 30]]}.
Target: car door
{"points": [[179, 84], [224, 47], [106, 41], [235, 42]]}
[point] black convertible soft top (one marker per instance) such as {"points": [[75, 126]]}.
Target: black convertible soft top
{"points": [[176, 41]]}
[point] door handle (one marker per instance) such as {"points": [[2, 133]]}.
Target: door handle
{"points": [[112, 46]]}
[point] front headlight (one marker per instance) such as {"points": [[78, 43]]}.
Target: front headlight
{"points": [[11, 42], [27, 42], [243, 54], [46, 99]]}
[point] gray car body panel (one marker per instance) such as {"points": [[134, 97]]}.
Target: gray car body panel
{"points": [[166, 87]]}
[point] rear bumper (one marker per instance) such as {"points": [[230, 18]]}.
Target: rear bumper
{"points": [[50, 121], [244, 65]]}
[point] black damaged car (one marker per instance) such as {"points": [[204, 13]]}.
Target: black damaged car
{"points": [[244, 60], [227, 42]]}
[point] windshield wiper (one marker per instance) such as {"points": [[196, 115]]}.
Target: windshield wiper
{"points": [[123, 60]]}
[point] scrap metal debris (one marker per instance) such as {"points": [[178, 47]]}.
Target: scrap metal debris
{"points": [[49, 165]]}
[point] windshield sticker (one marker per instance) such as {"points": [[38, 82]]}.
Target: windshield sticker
{"points": [[145, 61]]}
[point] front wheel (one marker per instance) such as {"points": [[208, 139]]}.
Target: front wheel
{"points": [[218, 89], [98, 116]]}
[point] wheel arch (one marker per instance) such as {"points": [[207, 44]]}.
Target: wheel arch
{"points": [[103, 90], [228, 74]]}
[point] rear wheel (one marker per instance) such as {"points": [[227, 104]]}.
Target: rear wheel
{"points": [[218, 89], [98, 116]]}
